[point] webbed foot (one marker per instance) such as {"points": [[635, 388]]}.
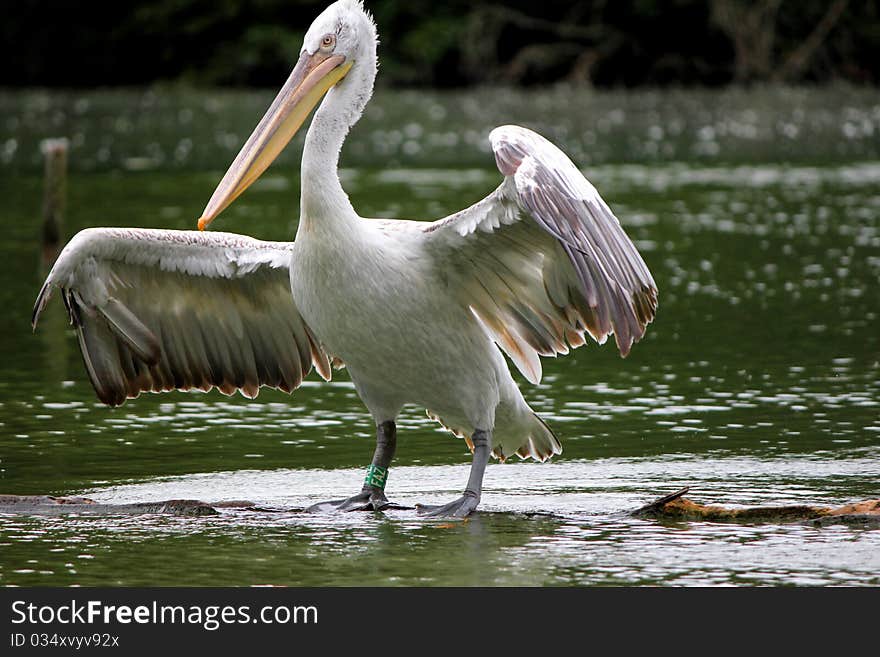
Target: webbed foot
{"points": [[460, 508], [366, 500]]}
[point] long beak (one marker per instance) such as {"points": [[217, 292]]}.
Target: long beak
{"points": [[311, 78]]}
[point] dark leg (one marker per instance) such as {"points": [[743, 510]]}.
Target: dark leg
{"points": [[466, 504], [372, 495]]}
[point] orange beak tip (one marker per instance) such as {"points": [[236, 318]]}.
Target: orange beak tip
{"points": [[203, 223]]}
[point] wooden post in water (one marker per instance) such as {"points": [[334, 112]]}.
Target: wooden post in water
{"points": [[55, 320], [54, 198]]}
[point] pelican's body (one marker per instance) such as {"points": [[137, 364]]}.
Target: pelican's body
{"points": [[416, 311], [375, 294]]}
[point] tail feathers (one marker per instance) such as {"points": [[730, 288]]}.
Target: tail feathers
{"points": [[530, 437], [541, 443]]}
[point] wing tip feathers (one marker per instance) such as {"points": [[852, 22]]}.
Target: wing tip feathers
{"points": [[40, 303]]}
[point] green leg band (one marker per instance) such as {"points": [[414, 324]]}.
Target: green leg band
{"points": [[376, 476]]}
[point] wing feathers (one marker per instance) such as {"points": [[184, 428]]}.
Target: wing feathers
{"points": [[137, 336], [164, 310], [101, 359], [543, 260]]}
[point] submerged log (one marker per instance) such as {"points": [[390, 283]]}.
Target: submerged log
{"points": [[47, 505], [677, 507]]}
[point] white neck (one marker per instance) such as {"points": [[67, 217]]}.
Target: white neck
{"points": [[323, 201]]}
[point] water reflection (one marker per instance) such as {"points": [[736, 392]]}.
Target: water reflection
{"points": [[563, 523]]}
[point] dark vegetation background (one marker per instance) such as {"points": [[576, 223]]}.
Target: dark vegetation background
{"points": [[606, 43]]}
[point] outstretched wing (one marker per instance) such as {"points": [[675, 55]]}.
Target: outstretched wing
{"points": [[542, 260], [159, 310]]}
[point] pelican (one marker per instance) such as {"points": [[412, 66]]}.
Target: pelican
{"points": [[418, 312]]}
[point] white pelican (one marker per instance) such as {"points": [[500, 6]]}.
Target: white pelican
{"points": [[413, 309]]}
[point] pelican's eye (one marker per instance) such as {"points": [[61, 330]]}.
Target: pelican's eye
{"points": [[328, 43]]}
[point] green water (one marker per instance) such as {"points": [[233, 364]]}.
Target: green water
{"points": [[758, 383]]}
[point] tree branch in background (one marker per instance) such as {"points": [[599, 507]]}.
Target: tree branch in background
{"points": [[796, 61], [752, 29], [573, 40]]}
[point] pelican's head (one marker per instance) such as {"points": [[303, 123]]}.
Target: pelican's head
{"points": [[340, 39]]}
